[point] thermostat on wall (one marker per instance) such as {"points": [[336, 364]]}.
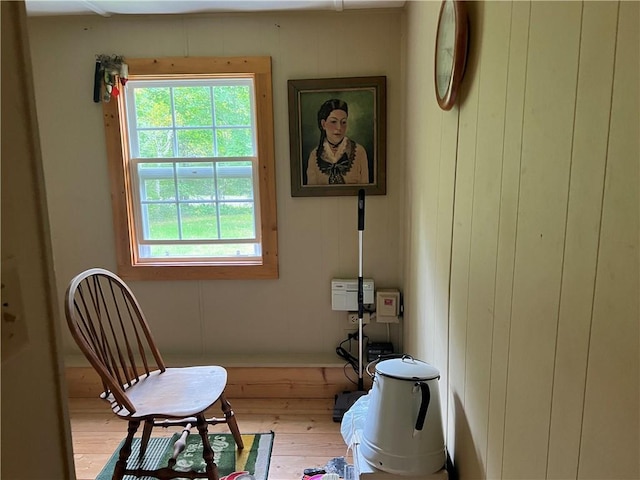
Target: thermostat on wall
{"points": [[387, 305]]}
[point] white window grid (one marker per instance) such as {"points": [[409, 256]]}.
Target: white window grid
{"points": [[210, 168]]}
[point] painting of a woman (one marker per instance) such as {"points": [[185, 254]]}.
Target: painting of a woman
{"points": [[337, 131], [337, 159]]}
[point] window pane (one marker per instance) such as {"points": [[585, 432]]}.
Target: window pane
{"points": [[198, 221], [156, 181], [162, 221], [157, 189], [195, 181], [177, 251], [155, 143], [195, 143], [235, 188], [234, 142], [237, 220], [233, 106], [192, 106], [153, 107]]}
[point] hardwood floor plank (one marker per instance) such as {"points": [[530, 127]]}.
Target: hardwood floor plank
{"points": [[252, 422], [305, 434], [89, 466]]}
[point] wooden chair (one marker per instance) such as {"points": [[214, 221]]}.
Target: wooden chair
{"points": [[108, 325]]}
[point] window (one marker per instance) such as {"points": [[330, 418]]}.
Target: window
{"points": [[190, 147]]}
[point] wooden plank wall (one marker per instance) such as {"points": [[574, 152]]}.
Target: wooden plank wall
{"points": [[611, 427], [544, 182], [543, 263], [541, 368]]}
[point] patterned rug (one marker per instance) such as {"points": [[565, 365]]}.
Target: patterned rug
{"points": [[254, 458]]}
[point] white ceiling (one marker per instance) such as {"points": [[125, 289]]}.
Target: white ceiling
{"points": [[149, 7]]}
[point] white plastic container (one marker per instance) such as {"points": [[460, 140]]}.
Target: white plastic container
{"points": [[403, 429]]}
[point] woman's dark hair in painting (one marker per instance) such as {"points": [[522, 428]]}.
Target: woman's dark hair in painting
{"points": [[329, 106]]}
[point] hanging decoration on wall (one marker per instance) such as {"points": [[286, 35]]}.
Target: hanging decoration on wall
{"points": [[110, 71]]}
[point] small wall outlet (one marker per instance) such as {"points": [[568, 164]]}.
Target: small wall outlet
{"points": [[352, 318]]}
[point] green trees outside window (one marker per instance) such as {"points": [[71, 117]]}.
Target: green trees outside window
{"points": [[209, 198]]}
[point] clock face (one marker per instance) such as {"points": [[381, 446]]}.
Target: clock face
{"points": [[445, 49]]}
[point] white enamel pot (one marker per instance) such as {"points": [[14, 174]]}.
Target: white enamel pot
{"points": [[402, 433]]}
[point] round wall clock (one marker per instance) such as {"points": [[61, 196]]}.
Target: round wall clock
{"points": [[451, 51]]}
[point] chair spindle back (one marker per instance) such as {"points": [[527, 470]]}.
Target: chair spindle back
{"points": [[108, 325]]}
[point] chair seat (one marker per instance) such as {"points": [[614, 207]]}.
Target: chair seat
{"points": [[108, 325], [175, 393]]}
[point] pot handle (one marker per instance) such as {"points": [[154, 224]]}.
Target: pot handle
{"points": [[372, 375], [381, 358], [424, 406]]}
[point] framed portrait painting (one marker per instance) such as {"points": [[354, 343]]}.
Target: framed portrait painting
{"points": [[337, 134]]}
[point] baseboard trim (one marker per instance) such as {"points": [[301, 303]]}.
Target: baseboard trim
{"points": [[247, 382]]}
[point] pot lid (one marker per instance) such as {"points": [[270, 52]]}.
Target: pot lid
{"points": [[407, 368]]}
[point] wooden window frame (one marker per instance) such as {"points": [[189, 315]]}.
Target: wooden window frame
{"points": [[121, 186]]}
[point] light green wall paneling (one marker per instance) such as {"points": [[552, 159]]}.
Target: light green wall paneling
{"points": [[491, 76], [552, 63], [588, 161], [508, 216], [611, 411], [542, 360]]}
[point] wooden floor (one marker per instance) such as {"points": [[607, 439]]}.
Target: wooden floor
{"points": [[305, 433]]}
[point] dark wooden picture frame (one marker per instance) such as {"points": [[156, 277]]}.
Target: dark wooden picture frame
{"points": [[313, 103]]}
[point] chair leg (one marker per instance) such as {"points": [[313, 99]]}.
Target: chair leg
{"points": [[231, 421], [125, 451], [146, 434], [207, 452]]}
